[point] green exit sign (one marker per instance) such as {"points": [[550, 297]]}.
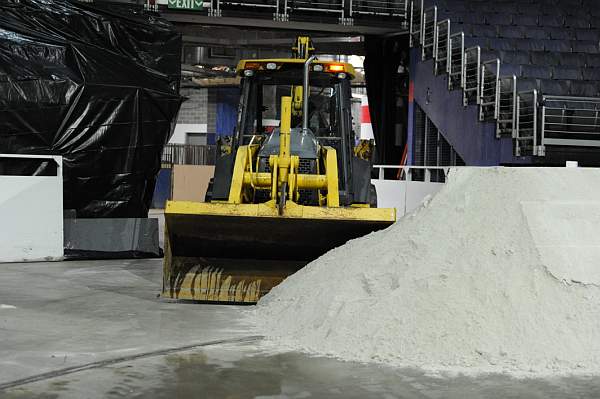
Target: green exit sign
{"points": [[185, 4]]}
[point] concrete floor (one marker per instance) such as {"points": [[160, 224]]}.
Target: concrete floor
{"points": [[97, 330]]}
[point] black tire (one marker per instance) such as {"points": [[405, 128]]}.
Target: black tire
{"points": [[372, 196], [209, 190]]}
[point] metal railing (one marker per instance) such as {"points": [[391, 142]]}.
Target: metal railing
{"points": [[425, 174], [188, 154], [456, 61], [441, 47], [428, 33], [489, 90], [392, 8], [328, 6], [415, 23], [570, 121], [507, 107], [471, 75], [525, 140], [345, 9]]}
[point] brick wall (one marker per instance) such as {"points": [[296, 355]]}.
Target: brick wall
{"points": [[195, 109]]}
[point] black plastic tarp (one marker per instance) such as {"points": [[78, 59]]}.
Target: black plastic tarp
{"points": [[97, 84], [383, 56]]}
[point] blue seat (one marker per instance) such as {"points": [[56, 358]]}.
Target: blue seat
{"points": [[499, 19], [593, 60], [529, 8], [457, 27], [551, 21], [560, 33], [594, 10], [510, 69], [577, 22], [555, 87], [562, 46], [502, 44], [527, 84], [484, 31], [515, 57], [565, 72], [474, 18], [536, 33], [487, 55], [589, 47], [452, 16], [572, 59], [502, 7], [595, 22], [545, 58], [536, 71], [587, 34], [529, 45], [591, 74], [512, 32], [584, 88], [482, 42], [525, 20]]}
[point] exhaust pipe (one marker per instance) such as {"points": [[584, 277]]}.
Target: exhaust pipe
{"points": [[305, 90]]}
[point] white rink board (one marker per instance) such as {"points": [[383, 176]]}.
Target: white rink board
{"points": [[405, 196], [31, 215]]}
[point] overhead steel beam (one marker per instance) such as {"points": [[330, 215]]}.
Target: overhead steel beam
{"points": [[284, 44], [180, 17]]}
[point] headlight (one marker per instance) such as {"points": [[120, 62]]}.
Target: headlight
{"points": [[341, 75], [248, 73], [271, 66], [318, 68]]}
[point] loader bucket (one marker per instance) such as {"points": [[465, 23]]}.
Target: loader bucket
{"points": [[236, 253]]}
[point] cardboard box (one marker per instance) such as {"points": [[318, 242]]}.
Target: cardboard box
{"points": [[189, 182]]}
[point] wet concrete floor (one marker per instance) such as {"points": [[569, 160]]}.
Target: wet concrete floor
{"points": [[98, 330]]}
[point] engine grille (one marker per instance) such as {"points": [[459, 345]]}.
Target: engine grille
{"points": [[306, 166]]}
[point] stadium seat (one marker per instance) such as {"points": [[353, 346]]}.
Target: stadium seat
{"points": [[565, 72], [561, 46], [515, 57], [555, 21], [525, 20], [573, 59], [545, 58], [593, 60], [591, 74], [584, 88], [577, 22], [536, 71], [510, 69], [536, 33], [560, 33], [588, 47], [512, 32], [587, 34], [554, 87], [498, 19], [484, 31]]}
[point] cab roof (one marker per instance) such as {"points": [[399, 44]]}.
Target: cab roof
{"points": [[260, 65]]}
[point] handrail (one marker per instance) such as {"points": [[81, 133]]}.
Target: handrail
{"points": [[565, 122], [489, 90], [407, 170], [189, 154]]}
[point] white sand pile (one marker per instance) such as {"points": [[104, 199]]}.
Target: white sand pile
{"points": [[499, 272]]}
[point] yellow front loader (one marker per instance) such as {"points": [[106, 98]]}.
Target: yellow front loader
{"points": [[289, 185]]}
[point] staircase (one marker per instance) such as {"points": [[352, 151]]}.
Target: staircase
{"points": [[527, 70]]}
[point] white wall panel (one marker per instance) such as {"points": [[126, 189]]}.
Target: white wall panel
{"points": [[31, 215]]}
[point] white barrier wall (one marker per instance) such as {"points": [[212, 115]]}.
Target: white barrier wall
{"points": [[31, 214], [405, 195]]}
